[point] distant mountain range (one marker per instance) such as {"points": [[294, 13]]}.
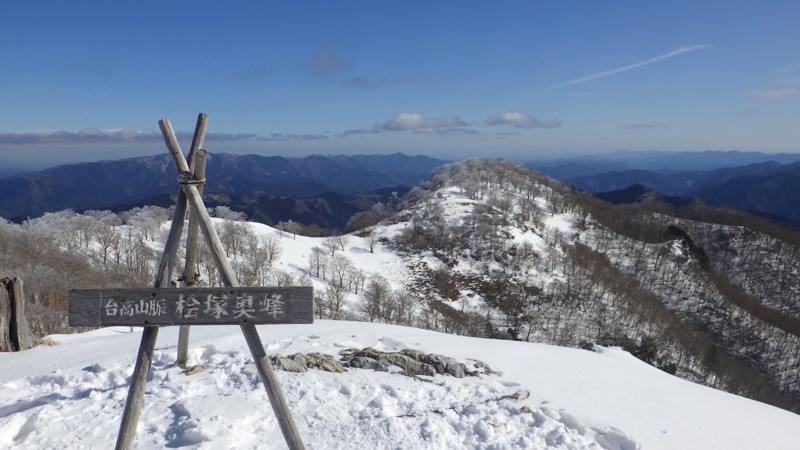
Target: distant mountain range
{"points": [[327, 190], [145, 180], [769, 188], [656, 161]]}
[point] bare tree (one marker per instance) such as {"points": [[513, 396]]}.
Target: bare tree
{"points": [[316, 262], [282, 279], [405, 306], [376, 294], [334, 243], [335, 296], [339, 267], [272, 249], [372, 239], [355, 280], [234, 236]]}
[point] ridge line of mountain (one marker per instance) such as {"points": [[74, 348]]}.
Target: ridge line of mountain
{"points": [[102, 184]]}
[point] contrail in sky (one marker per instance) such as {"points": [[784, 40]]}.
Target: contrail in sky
{"points": [[606, 73]]}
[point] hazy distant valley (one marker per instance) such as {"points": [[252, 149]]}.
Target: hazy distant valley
{"points": [[766, 184]]}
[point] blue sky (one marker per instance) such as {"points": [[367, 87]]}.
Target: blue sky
{"points": [[90, 80]]}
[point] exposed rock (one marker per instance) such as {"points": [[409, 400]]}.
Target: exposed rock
{"points": [[409, 365], [362, 362], [411, 361], [446, 364], [419, 355], [193, 370], [296, 365], [301, 362], [320, 361]]}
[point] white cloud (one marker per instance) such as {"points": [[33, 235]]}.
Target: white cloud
{"points": [[375, 129], [95, 135], [81, 136], [415, 121], [606, 73], [447, 131], [458, 132], [772, 94], [521, 120]]}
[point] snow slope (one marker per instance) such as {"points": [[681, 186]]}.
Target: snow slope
{"points": [[72, 395]]}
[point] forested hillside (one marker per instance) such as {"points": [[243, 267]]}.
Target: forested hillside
{"points": [[488, 248]]}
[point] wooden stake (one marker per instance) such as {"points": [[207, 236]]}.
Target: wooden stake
{"points": [[133, 404], [164, 272], [144, 359], [279, 405], [276, 399], [199, 172], [198, 138], [197, 166], [134, 401]]}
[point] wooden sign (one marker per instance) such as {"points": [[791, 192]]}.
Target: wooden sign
{"points": [[191, 306]]}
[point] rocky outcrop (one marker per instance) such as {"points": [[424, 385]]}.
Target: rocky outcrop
{"points": [[301, 362], [409, 361]]}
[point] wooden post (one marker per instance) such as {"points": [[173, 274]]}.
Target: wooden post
{"points": [[197, 166], [133, 404], [274, 393], [199, 137], [189, 275], [191, 195], [144, 359], [198, 209], [15, 334], [5, 319], [279, 405], [164, 272]]}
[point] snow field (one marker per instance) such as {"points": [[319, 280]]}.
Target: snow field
{"points": [[227, 407], [546, 397]]}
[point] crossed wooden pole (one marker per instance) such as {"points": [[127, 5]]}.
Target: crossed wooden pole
{"points": [[191, 178]]}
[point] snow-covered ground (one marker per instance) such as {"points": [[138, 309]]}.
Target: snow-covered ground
{"points": [[72, 396]]}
